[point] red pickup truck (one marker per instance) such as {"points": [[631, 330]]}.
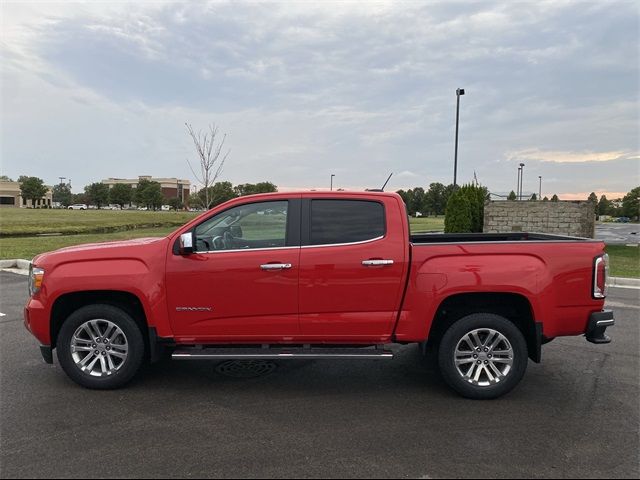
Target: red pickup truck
{"points": [[317, 275]]}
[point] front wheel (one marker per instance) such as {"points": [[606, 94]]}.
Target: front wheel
{"points": [[100, 347], [483, 356]]}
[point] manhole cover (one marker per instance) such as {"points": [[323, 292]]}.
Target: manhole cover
{"points": [[246, 368]]}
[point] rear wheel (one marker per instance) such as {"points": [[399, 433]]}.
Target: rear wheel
{"points": [[100, 347], [483, 356]]}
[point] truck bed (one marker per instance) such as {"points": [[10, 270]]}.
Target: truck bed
{"points": [[430, 238]]}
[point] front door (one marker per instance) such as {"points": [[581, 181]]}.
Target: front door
{"points": [[241, 284]]}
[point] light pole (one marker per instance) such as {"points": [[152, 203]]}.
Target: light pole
{"points": [[332, 175], [459, 91], [521, 177], [61, 179], [540, 187], [518, 184]]}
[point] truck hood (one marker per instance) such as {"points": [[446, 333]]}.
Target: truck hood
{"points": [[127, 248]]}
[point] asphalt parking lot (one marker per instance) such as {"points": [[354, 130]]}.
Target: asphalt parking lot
{"points": [[618, 233], [575, 415]]}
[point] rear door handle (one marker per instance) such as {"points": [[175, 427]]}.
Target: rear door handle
{"points": [[377, 263], [275, 266]]}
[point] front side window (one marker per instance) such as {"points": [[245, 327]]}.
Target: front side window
{"points": [[255, 225], [345, 221]]}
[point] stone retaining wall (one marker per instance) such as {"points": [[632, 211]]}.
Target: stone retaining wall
{"points": [[576, 219]]}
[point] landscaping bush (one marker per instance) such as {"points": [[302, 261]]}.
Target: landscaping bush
{"points": [[465, 210]]}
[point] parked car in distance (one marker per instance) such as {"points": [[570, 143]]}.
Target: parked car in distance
{"points": [[325, 275], [623, 220], [78, 206]]}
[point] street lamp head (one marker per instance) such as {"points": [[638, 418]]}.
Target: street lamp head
{"points": [[460, 91], [522, 164]]}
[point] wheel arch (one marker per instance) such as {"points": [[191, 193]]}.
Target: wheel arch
{"points": [[513, 306], [68, 303]]}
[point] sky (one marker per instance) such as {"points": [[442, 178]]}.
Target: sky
{"points": [[304, 90]]}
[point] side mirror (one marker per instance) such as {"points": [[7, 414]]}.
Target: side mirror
{"points": [[186, 243]]}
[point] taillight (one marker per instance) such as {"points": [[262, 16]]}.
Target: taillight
{"points": [[600, 274]]}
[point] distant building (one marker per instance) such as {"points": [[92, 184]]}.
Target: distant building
{"points": [[10, 196], [171, 187]]}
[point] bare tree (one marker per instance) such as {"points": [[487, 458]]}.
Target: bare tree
{"points": [[210, 156]]}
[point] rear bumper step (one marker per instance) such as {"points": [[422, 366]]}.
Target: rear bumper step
{"points": [[598, 324], [231, 353]]}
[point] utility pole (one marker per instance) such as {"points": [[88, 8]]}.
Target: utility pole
{"points": [[521, 177], [540, 188], [332, 175], [459, 91]]}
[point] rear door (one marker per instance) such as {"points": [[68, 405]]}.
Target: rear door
{"points": [[352, 265]]}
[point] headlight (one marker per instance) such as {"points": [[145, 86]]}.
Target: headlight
{"points": [[36, 275]]}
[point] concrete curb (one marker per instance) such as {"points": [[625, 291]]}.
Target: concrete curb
{"points": [[16, 265], [623, 282]]}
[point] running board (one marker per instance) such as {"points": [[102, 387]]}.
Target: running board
{"points": [[279, 353]]}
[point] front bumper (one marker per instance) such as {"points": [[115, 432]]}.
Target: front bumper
{"points": [[598, 323]]}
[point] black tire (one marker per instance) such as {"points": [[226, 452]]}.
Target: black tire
{"points": [[455, 334], [130, 366]]}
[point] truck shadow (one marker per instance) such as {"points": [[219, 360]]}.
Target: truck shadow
{"points": [[409, 370]]}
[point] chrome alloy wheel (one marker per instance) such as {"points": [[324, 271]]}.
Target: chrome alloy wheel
{"points": [[99, 348], [483, 357]]}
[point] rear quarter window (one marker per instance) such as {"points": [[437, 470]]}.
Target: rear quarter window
{"points": [[345, 221]]}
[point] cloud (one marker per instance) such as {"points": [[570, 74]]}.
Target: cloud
{"points": [[357, 89], [570, 157]]}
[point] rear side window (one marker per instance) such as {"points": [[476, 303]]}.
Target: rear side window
{"points": [[345, 221]]}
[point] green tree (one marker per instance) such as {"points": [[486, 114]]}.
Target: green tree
{"points": [[4, 178], [98, 193], [534, 198], [121, 194], [512, 196], [175, 203], [80, 198], [555, 198], [251, 188], [219, 193], [545, 199], [631, 203], [405, 198], [434, 199], [458, 214], [32, 188], [476, 196], [62, 194], [148, 194], [417, 200], [448, 191], [604, 206]]}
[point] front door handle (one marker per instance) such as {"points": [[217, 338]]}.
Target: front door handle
{"points": [[377, 263], [275, 266]]}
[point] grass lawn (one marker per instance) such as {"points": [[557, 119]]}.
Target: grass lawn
{"points": [[22, 221], [624, 261], [426, 224], [29, 247]]}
